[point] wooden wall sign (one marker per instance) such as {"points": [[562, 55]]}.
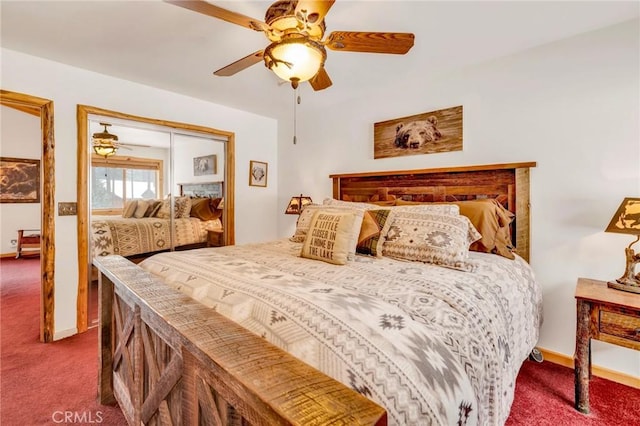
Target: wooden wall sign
{"points": [[426, 133]]}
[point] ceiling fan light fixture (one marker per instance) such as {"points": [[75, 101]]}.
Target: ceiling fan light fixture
{"points": [[105, 150], [295, 59], [104, 142]]}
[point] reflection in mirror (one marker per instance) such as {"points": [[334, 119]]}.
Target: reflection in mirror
{"points": [[154, 188]]}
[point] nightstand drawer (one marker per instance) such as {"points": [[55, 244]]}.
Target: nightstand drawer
{"points": [[620, 325]]}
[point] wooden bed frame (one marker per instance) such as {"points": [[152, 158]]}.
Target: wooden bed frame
{"points": [[166, 359], [507, 183]]}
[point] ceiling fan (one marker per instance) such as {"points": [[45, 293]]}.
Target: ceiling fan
{"points": [[296, 29], [106, 144]]}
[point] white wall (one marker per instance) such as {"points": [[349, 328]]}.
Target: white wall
{"points": [[572, 106], [186, 148], [68, 86], [20, 137]]}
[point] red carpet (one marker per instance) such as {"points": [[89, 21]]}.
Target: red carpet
{"points": [[545, 394], [56, 383], [44, 384]]}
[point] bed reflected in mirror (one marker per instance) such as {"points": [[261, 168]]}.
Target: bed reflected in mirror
{"points": [[148, 186]]}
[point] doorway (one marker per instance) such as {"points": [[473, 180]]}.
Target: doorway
{"points": [[44, 109]]}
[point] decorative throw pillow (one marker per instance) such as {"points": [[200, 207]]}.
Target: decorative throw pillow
{"points": [[154, 206], [205, 208], [304, 220], [332, 236], [348, 204], [141, 208], [417, 206], [164, 212], [372, 232], [430, 237], [492, 220], [182, 207], [129, 208]]}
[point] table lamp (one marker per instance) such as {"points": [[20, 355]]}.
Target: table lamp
{"points": [[297, 203], [626, 220]]}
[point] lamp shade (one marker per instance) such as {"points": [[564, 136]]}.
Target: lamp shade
{"points": [[105, 150], [295, 59], [626, 220], [297, 203]]}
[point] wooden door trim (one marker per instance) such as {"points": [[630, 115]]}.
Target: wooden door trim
{"points": [[44, 108]]}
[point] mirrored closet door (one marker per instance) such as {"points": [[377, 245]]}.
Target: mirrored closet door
{"points": [[147, 186]]}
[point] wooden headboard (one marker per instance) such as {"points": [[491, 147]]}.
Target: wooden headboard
{"points": [[507, 183]]}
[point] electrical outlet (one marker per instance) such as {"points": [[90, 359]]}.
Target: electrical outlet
{"points": [[67, 209], [14, 243]]}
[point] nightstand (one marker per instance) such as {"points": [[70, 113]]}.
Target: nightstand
{"points": [[604, 314], [215, 238]]}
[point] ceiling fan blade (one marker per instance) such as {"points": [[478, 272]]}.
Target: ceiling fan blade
{"points": [[128, 145], [209, 9], [240, 64], [321, 80], [356, 41], [313, 11]]}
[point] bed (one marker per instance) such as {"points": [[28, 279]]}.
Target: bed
{"points": [[291, 340], [135, 236], [145, 225]]}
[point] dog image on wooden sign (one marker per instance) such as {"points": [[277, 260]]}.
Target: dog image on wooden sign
{"points": [[426, 133]]}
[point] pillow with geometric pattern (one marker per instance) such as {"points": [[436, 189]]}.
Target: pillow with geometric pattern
{"points": [[439, 239], [181, 208]]}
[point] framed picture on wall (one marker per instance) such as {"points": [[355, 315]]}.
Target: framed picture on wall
{"points": [[19, 180], [258, 173], [426, 133], [205, 165]]}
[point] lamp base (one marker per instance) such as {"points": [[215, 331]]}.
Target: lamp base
{"points": [[632, 286]]}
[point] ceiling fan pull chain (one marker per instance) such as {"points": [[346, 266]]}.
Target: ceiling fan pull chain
{"points": [[296, 101]]}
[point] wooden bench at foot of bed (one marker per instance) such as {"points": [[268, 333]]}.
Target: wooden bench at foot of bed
{"points": [[167, 359]]}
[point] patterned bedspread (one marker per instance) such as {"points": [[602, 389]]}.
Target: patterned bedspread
{"points": [[130, 236], [432, 345]]}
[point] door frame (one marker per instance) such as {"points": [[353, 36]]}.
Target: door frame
{"points": [[42, 108]]}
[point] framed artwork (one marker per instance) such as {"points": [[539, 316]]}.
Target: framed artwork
{"points": [[19, 180], [205, 165], [426, 133], [257, 173]]}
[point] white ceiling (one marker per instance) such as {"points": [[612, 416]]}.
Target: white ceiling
{"points": [[165, 46]]}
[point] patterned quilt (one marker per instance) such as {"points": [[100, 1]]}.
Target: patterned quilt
{"points": [[432, 345], [130, 236]]}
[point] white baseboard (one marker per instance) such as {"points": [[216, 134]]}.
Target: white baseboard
{"points": [[58, 335]]}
